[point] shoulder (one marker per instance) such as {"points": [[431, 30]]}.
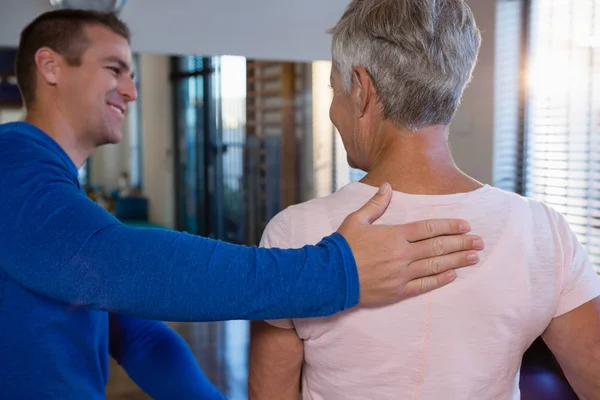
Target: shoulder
{"points": [[286, 229], [30, 168], [551, 231], [547, 216], [24, 149], [539, 212], [308, 222], [21, 133], [20, 141]]}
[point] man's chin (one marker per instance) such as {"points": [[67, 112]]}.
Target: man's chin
{"points": [[112, 137]]}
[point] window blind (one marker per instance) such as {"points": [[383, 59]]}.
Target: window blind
{"points": [[562, 156], [508, 132]]}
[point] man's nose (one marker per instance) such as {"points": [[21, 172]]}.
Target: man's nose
{"points": [[128, 89]]}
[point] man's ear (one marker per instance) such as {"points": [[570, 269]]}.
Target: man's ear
{"points": [[48, 64], [361, 90]]}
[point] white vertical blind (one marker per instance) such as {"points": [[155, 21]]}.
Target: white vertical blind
{"points": [[562, 159], [508, 148]]}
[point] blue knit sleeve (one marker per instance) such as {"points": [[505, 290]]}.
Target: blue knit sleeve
{"points": [[58, 243], [158, 360]]}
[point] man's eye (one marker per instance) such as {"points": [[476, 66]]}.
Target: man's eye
{"points": [[115, 70]]}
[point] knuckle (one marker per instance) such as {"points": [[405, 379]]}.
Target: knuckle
{"points": [[439, 246], [435, 265], [431, 228], [353, 215], [423, 287], [374, 202], [352, 218], [399, 254]]}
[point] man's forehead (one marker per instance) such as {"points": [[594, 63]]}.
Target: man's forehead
{"points": [[103, 37], [109, 46]]}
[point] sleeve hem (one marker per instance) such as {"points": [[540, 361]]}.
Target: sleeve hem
{"points": [[350, 271], [281, 323], [569, 303]]}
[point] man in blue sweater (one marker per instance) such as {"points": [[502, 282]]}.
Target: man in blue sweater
{"points": [[77, 285]]}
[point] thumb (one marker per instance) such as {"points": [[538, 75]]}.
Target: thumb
{"points": [[376, 206]]}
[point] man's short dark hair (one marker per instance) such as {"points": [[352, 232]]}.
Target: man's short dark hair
{"points": [[64, 32]]}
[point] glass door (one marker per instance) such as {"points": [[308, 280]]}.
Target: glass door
{"points": [[210, 95], [190, 77]]}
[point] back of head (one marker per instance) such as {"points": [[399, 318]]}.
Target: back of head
{"points": [[63, 31], [420, 55]]}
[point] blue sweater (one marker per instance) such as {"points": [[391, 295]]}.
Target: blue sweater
{"points": [[70, 273]]}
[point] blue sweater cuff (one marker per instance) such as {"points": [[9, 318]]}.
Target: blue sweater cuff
{"points": [[350, 269]]}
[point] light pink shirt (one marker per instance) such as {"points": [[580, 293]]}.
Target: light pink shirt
{"points": [[462, 342]]}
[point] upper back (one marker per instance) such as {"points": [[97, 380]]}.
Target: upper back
{"points": [[459, 340]]}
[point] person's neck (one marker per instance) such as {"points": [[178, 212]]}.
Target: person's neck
{"points": [[58, 128], [417, 163]]}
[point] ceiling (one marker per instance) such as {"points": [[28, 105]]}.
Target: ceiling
{"points": [[263, 29]]}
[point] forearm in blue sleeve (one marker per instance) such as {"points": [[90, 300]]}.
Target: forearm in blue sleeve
{"points": [[158, 360], [70, 249]]}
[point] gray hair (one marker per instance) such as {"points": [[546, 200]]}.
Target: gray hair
{"points": [[420, 55]]}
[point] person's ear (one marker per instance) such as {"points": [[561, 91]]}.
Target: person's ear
{"points": [[48, 63], [361, 90]]}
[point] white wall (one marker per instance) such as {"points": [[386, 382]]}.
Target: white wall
{"points": [[472, 131], [157, 133], [268, 29], [107, 163], [322, 130], [11, 115]]}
